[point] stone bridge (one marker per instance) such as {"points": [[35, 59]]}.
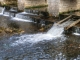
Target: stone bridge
{"points": [[54, 6]]}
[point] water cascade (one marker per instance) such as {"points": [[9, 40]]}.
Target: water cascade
{"points": [[54, 33], [2, 10], [22, 17], [76, 31], [6, 13]]}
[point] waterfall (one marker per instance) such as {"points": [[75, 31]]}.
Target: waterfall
{"points": [[2, 10], [53, 33], [22, 17], [6, 14], [77, 31], [56, 31]]}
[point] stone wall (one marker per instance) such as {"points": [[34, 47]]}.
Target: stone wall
{"points": [[8, 2], [78, 4], [29, 3], [68, 5], [35, 2], [53, 7], [57, 6], [21, 4], [2, 1]]}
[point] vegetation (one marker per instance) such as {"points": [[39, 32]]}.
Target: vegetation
{"points": [[39, 6], [69, 11]]}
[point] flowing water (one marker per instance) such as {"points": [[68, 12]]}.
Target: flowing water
{"points": [[56, 31], [50, 45], [23, 17], [50, 35], [2, 10], [77, 31]]}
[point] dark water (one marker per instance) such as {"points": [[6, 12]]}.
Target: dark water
{"points": [[27, 46], [7, 22]]}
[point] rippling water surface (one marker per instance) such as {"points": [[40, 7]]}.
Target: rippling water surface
{"points": [[34, 45]]}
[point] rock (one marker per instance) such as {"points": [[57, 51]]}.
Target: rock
{"points": [[22, 31], [2, 28], [1, 31], [42, 29], [15, 30], [18, 31], [8, 30]]}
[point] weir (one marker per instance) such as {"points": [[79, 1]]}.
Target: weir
{"points": [[65, 19], [56, 30], [2, 9], [4, 12], [72, 24], [24, 16], [76, 30], [68, 22], [59, 27]]}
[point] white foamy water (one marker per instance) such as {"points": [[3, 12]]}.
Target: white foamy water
{"points": [[77, 31], [6, 14], [53, 33], [2, 10], [77, 34], [33, 38], [56, 31], [27, 13], [18, 19], [22, 17], [23, 13]]}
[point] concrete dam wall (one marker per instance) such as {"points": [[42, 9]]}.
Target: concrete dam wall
{"points": [[54, 6], [59, 6], [68, 5], [30, 3]]}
